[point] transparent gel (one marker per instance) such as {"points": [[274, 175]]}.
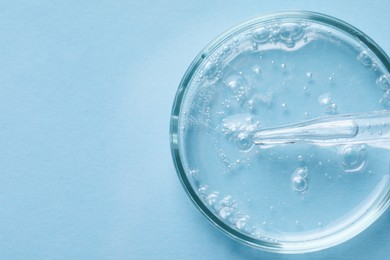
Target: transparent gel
{"points": [[280, 132]]}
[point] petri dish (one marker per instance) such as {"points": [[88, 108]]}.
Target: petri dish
{"points": [[279, 132]]}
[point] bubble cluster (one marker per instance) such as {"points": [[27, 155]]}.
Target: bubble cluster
{"points": [[243, 223], [239, 129], [227, 208], [260, 99], [299, 179], [203, 191], [286, 33], [211, 71], [327, 103], [230, 163], [212, 200]]}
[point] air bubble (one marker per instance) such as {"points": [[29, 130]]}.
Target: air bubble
{"points": [[384, 82], [212, 200], [255, 46], [352, 157], [239, 129], [385, 100], [329, 106], [309, 75], [244, 142], [227, 201], [256, 69], [325, 99], [365, 59], [299, 183], [227, 206], [226, 48], [251, 104], [211, 71], [333, 108], [290, 43], [203, 191], [195, 176], [290, 32], [242, 223], [298, 178], [236, 86], [301, 172], [261, 35]]}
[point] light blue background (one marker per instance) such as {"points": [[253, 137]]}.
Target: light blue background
{"points": [[86, 89]]}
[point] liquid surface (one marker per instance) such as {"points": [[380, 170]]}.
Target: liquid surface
{"points": [[275, 74]]}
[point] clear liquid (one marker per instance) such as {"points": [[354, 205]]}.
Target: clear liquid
{"points": [[278, 75]]}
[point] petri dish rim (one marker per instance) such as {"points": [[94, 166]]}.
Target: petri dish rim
{"points": [[271, 246]]}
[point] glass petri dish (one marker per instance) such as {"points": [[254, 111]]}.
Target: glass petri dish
{"points": [[299, 189]]}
